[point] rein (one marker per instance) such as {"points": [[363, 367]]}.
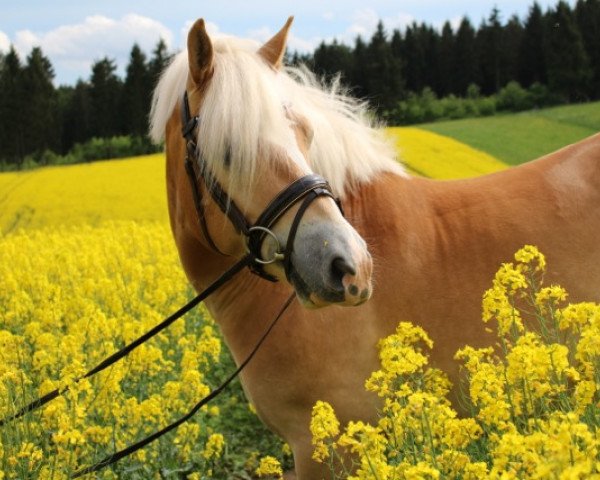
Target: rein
{"points": [[307, 188]]}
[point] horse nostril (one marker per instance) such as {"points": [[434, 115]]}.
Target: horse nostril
{"points": [[340, 267]]}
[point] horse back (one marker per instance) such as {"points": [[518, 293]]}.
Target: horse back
{"points": [[437, 244], [552, 202]]}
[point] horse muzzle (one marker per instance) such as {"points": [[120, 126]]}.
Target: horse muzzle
{"points": [[330, 268]]}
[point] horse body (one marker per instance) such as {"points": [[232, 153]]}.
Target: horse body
{"points": [[435, 247]]}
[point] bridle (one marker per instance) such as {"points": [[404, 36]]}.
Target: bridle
{"points": [[308, 187]]}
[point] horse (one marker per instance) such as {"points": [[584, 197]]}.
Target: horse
{"points": [[404, 248]]}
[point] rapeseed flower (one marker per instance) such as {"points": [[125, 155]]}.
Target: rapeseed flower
{"points": [[69, 297], [437, 156], [535, 400], [269, 467], [324, 427]]}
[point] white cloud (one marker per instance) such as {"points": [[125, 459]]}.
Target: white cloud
{"points": [[261, 34], [4, 42], [302, 45], [454, 22], [73, 48], [399, 21], [295, 43], [364, 23]]}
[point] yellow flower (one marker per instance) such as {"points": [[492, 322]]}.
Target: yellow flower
{"points": [[510, 278], [560, 444], [69, 297], [214, 446], [576, 315], [369, 444], [324, 426], [497, 305], [529, 256], [585, 392], [286, 450], [421, 471], [269, 467], [437, 156], [538, 369], [131, 189], [550, 297]]}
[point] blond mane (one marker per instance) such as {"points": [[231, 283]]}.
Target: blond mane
{"points": [[243, 111]]}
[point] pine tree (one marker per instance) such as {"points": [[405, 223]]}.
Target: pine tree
{"points": [[466, 70], [43, 130], [490, 53], [77, 117], [569, 72], [587, 13], [397, 48], [334, 59], [446, 62], [531, 55], [358, 78], [13, 120], [135, 100], [159, 61], [382, 72], [105, 94], [512, 38], [415, 61], [430, 39]]}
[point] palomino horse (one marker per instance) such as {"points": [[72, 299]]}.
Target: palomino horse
{"points": [[430, 248]]}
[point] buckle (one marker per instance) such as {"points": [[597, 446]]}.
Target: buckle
{"points": [[277, 256]]}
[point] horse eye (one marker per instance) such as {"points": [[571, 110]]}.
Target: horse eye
{"points": [[227, 159]]}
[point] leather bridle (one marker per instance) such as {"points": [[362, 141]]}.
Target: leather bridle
{"points": [[308, 187]]}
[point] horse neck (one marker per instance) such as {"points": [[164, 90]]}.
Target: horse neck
{"points": [[375, 207]]}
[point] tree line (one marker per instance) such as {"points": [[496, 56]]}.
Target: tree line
{"points": [[103, 117], [550, 56], [556, 52]]}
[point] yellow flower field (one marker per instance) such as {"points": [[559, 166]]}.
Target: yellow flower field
{"points": [[70, 296], [134, 189], [125, 189], [87, 263], [436, 156]]}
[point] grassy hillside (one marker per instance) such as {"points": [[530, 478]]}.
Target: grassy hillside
{"points": [[525, 136]]}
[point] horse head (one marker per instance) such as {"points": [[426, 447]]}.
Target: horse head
{"points": [[254, 144]]}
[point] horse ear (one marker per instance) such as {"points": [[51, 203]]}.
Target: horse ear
{"points": [[200, 53], [273, 51]]}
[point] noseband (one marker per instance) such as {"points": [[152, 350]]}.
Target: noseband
{"points": [[307, 188]]}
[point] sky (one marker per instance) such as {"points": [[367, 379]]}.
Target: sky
{"points": [[74, 34]]}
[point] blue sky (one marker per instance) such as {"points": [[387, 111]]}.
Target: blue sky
{"points": [[75, 34]]}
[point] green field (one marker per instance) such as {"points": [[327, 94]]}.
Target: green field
{"points": [[521, 137]]}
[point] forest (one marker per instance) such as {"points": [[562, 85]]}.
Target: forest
{"points": [[419, 73]]}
